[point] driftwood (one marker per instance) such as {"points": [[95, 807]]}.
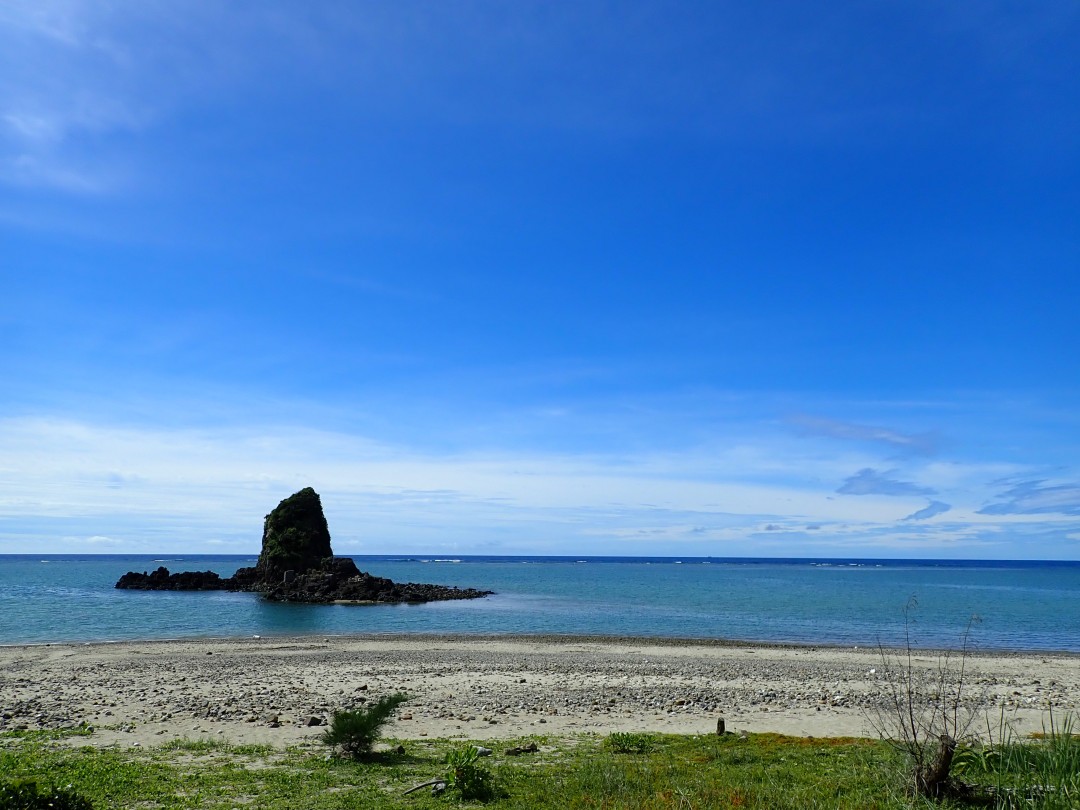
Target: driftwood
{"points": [[933, 780], [433, 783]]}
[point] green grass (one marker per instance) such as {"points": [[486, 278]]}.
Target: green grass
{"points": [[1042, 772], [759, 771], [629, 742]]}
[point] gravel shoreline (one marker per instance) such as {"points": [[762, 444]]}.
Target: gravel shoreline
{"points": [[279, 690]]}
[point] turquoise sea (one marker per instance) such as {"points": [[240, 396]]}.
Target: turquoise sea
{"points": [[1019, 605]]}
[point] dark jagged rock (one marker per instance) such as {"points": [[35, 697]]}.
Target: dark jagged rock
{"points": [[162, 580], [295, 537], [296, 564], [339, 580]]}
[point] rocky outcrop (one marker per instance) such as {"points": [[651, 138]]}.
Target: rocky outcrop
{"points": [[297, 564], [162, 580], [295, 537], [339, 580], [296, 540]]}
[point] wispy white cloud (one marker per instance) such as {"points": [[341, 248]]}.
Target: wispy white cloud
{"points": [[79, 80], [932, 509], [33, 127], [851, 431], [871, 482], [37, 171], [76, 69], [153, 489], [1035, 498], [58, 83], [53, 19]]}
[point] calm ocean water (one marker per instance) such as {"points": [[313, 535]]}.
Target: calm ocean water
{"points": [[1020, 605]]}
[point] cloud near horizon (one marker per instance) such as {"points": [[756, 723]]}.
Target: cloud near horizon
{"points": [[82, 485]]}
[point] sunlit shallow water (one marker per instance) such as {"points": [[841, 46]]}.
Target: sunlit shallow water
{"points": [[1021, 606]]}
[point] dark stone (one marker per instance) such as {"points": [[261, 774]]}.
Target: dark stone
{"points": [[295, 537], [296, 564], [339, 580], [162, 580], [295, 541], [518, 750]]}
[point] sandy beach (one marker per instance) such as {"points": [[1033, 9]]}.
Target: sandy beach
{"points": [[280, 690]]}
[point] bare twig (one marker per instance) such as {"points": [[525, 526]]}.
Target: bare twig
{"points": [[925, 713]]}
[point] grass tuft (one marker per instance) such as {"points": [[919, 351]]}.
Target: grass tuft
{"points": [[355, 731], [626, 742]]}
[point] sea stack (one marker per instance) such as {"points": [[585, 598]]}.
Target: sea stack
{"points": [[297, 564], [295, 538]]}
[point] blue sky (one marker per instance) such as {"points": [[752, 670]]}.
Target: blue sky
{"points": [[768, 279]]}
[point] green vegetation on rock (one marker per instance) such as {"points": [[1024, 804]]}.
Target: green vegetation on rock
{"points": [[295, 536]]}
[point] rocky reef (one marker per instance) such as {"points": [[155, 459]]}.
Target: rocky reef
{"points": [[297, 564], [162, 580]]}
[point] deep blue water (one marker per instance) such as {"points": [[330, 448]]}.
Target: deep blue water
{"points": [[1020, 605]]}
